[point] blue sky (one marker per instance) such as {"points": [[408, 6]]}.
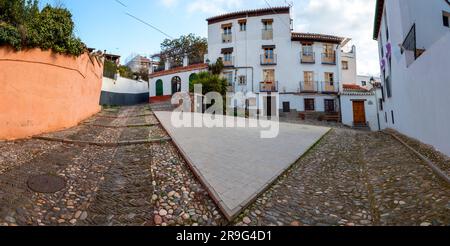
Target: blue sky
{"points": [[103, 24]]}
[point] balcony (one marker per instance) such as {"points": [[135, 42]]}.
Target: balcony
{"points": [[267, 34], [329, 58], [229, 62], [268, 60], [309, 86], [329, 87], [227, 38], [308, 58], [268, 87]]}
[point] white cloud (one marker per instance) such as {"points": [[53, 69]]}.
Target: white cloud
{"points": [[170, 3], [348, 18], [213, 7]]}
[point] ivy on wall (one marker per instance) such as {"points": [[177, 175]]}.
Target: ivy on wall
{"points": [[23, 25]]}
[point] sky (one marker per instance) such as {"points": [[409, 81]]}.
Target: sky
{"points": [[104, 24]]}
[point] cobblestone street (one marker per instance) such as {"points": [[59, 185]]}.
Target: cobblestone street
{"points": [[354, 178], [349, 178]]}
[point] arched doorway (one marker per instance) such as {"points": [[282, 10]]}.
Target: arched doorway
{"points": [[193, 77], [159, 88], [176, 84]]}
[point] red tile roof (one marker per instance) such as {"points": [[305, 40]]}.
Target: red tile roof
{"points": [[248, 13], [354, 88], [316, 37], [179, 70]]}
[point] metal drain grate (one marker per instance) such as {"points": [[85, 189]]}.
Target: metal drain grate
{"points": [[46, 183]]}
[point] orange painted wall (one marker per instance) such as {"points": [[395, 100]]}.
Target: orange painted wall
{"points": [[41, 91]]}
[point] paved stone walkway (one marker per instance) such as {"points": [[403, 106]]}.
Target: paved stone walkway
{"points": [[235, 163], [354, 178]]}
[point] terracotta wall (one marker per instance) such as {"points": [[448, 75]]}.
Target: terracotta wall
{"points": [[41, 91]]}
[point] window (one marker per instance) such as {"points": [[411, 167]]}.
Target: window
{"points": [[269, 75], [386, 25], [329, 78], [227, 30], [227, 34], [328, 49], [267, 25], [364, 83], [381, 104], [308, 76], [242, 80], [344, 65], [227, 57], [268, 53], [446, 19], [307, 49], [229, 77], [310, 105], [388, 87], [393, 119], [243, 26], [267, 32]]}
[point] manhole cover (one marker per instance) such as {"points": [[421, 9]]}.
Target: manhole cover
{"points": [[46, 183]]}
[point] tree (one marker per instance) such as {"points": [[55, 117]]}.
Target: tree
{"points": [[210, 83], [217, 67], [125, 72], [194, 46], [52, 28]]}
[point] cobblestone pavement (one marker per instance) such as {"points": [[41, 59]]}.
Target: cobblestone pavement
{"points": [[349, 178], [354, 178], [145, 184]]}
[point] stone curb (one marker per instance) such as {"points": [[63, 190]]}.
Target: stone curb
{"points": [[115, 144], [127, 126], [123, 117], [431, 164]]}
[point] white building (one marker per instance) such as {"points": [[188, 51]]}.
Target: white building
{"points": [[263, 55], [164, 84], [139, 63], [414, 49], [367, 81]]}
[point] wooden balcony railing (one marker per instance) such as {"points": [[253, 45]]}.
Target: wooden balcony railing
{"points": [[308, 58], [268, 87], [329, 58]]}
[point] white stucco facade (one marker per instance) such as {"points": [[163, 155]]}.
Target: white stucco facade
{"points": [[416, 87], [370, 106], [245, 48], [167, 77]]}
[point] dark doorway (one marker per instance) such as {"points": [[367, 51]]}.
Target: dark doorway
{"points": [[159, 88], [286, 107], [329, 106], [176, 84]]}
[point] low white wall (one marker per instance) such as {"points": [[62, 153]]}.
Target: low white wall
{"points": [[124, 86], [370, 107], [167, 82]]}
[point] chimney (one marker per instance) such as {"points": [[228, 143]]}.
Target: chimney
{"points": [[167, 67], [185, 60]]}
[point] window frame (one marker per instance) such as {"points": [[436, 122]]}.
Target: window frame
{"points": [[311, 102]]}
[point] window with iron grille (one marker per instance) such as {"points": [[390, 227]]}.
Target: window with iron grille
{"points": [[242, 80], [310, 105], [388, 87]]}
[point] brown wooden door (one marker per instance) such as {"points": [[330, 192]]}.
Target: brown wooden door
{"points": [[359, 113]]}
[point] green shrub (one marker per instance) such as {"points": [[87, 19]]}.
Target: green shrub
{"points": [[109, 69], [27, 27], [9, 35], [210, 83]]}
